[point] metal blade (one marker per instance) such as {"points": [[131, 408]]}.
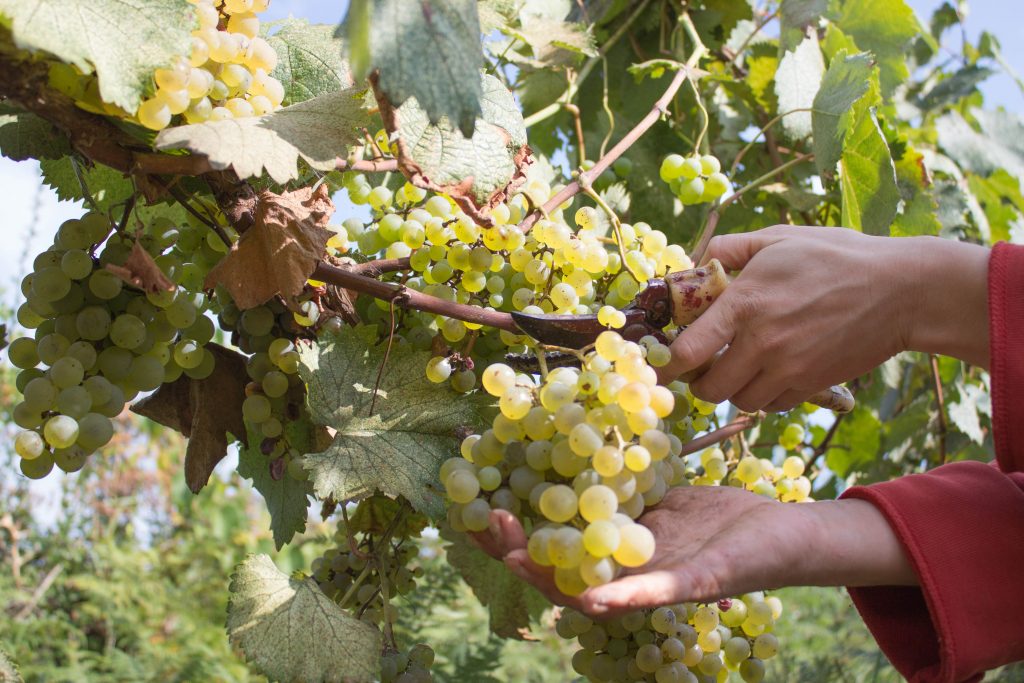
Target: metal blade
{"points": [[571, 331]]}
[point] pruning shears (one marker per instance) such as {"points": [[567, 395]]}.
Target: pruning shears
{"points": [[679, 298]]}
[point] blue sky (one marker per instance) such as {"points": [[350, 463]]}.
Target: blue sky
{"points": [[32, 212]]}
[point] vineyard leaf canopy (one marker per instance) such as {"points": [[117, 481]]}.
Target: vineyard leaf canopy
{"points": [[317, 131], [291, 631], [885, 28], [999, 142], [796, 84], [510, 601], [277, 254], [427, 50], [204, 410], [845, 82], [479, 168], [399, 449], [123, 41], [795, 16], [309, 60], [287, 498]]}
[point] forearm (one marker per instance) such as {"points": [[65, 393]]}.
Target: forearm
{"points": [[946, 297]]}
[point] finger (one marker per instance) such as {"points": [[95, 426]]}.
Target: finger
{"points": [[787, 401], [701, 340], [758, 393], [541, 578], [649, 589], [508, 530], [734, 251], [735, 369], [486, 542]]}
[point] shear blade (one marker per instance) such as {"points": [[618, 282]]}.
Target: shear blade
{"points": [[569, 331]]}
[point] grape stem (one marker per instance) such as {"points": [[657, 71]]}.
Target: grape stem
{"points": [[659, 109], [730, 430], [616, 228], [940, 406]]}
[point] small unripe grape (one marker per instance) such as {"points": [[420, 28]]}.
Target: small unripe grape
{"points": [[29, 445]]}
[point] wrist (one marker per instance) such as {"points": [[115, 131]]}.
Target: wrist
{"points": [[850, 543], [945, 298]]}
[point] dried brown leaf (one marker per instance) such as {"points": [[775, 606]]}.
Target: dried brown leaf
{"points": [[142, 271], [277, 254], [205, 411]]}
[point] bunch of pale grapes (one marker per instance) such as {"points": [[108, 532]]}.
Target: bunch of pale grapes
{"points": [[408, 667], [785, 482], [352, 579], [685, 643], [226, 73], [578, 458], [695, 179], [101, 343]]}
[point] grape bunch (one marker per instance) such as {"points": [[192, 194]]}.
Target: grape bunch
{"points": [[226, 73], [695, 179], [577, 457], [684, 643], [101, 343], [408, 667]]}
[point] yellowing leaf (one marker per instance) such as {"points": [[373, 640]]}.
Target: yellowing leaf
{"points": [[291, 631], [277, 254]]}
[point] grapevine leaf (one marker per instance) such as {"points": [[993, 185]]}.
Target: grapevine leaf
{"points": [[845, 82], [108, 187], [796, 84], [27, 136], [999, 144], [317, 131], [124, 41], [868, 176], [856, 442], [795, 16], [480, 171], [717, 18], [204, 410], [140, 270], [287, 498], [376, 515], [309, 60], [277, 254], [918, 216], [1001, 200], [291, 631], [399, 449], [953, 89], [510, 601], [762, 65], [883, 27], [551, 41], [426, 50], [8, 670], [964, 413]]}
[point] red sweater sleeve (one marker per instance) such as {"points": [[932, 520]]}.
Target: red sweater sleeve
{"points": [[962, 526]]}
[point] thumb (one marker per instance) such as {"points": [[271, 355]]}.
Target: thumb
{"points": [[734, 251], [698, 343]]}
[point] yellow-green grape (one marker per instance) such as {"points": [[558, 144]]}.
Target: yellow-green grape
{"points": [[598, 503], [636, 546], [61, 431], [736, 650], [596, 571], [601, 538], [792, 436], [608, 461], [663, 620], [569, 581], [705, 619], [637, 458], [476, 514], [516, 402], [439, 369], [649, 658], [565, 547], [462, 486], [793, 466], [748, 470], [29, 445], [709, 165], [765, 646], [154, 114], [559, 503], [537, 546], [752, 670]]}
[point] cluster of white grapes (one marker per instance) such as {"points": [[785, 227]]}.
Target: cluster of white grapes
{"points": [[101, 342], [695, 179], [684, 643], [578, 458], [226, 73]]}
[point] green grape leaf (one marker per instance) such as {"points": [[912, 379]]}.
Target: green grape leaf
{"points": [[316, 131], [883, 27], [965, 412], [797, 81], [868, 176], [8, 670], [478, 171], [762, 65], [427, 50], [204, 410], [27, 136], [124, 41], [511, 602], [959, 85], [795, 16], [856, 441], [107, 186], [309, 60], [552, 42], [397, 450], [1000, 199], [999, 142], [716, 19], [291, 631], [845, 82], [918, 216], [287, 498]]}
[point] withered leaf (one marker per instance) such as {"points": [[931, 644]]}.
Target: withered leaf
{"points": [[205, 411], [142, 271], [281, 249]]}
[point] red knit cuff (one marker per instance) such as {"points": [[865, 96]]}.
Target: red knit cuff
{"points": [[1006, 346], [962, 527]]}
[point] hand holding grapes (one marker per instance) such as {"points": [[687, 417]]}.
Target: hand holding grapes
{"points": [[812, 308], [712, 542]]}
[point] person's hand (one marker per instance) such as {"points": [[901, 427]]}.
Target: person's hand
{"points": [[718, 541], [814, 307]]}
